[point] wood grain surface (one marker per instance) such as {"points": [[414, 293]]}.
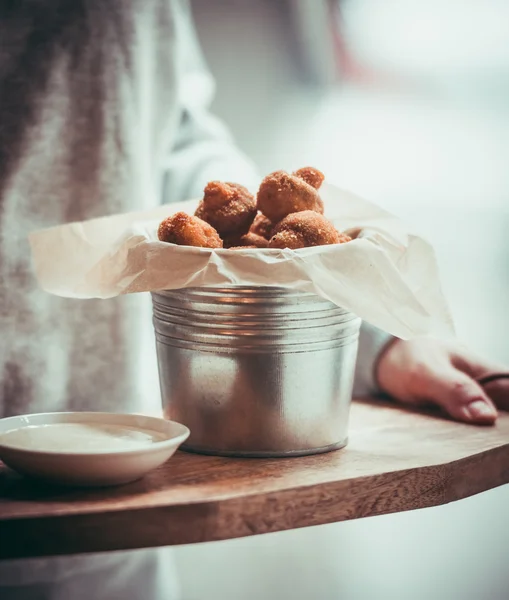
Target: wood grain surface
{"points": [[396, 460]]}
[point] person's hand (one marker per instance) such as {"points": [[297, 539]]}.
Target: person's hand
{"points": [[424, 371]]}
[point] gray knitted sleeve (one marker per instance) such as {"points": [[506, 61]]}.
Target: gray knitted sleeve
{"points": [[371, 342]]}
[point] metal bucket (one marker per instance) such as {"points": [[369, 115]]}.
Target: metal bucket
{"points": [[256, 371]]}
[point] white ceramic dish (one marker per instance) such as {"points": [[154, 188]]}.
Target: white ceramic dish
{"points": [[88, 448]]}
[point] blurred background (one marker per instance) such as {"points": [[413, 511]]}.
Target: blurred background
{"points": [[406, 103]]}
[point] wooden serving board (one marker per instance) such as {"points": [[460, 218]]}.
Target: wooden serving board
{"points": [[396, 460]]}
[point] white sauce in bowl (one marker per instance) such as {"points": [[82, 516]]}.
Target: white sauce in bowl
{"points": [[80, 438]]}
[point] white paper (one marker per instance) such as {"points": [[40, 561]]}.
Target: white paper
{"points": [[387, 275]]}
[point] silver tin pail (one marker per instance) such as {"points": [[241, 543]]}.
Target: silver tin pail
{"points": [[256, 371]]}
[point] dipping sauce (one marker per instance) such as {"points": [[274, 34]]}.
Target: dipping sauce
{"points": [[80, 438]]}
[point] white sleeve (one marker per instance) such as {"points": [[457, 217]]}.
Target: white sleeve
{"points": [[203, 149], [372, 341]]}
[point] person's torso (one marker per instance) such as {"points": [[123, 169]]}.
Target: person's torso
{"points": [[87, 108]]}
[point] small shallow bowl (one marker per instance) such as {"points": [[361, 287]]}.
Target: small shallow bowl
{"points": [[91, 466]]}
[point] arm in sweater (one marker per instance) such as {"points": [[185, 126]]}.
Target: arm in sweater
{"points": [[204, 149], [371, 342]]}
